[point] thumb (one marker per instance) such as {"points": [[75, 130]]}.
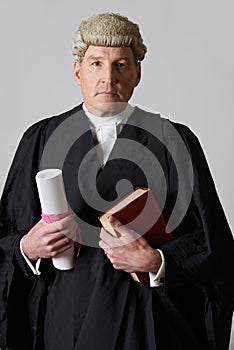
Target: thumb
{"points": [[114, 222], [122, 229]]}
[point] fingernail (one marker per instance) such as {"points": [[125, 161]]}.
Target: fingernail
{"points": [[113, 220]]}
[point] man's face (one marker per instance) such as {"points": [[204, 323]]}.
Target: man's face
{"points": [[107, 76]]}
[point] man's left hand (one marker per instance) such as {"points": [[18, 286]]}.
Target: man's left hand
{"points": [[129, 251]]}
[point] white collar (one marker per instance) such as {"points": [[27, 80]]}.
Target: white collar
{"points": [[117, 118]]}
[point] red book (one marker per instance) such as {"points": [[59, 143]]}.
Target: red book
{"points": [[140, 212]]}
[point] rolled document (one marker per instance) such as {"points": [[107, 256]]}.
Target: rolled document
{"points": [[53, 201]]}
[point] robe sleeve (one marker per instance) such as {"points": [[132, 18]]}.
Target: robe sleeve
{"points": [[19, 211], [202, 253]]}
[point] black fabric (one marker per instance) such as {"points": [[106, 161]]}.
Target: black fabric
{"points": [[94, 306]]}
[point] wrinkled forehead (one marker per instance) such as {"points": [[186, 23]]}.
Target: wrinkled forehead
{"points": [[111, 53]]}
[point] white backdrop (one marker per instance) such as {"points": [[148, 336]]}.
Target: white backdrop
{"points": [[187, 74]]}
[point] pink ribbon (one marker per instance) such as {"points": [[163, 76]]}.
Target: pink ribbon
{"points": [[49, 218]]}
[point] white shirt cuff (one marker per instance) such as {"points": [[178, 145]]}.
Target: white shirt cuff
{"points": [[155, 278], [35, 267]]}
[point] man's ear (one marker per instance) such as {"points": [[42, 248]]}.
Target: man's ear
{"points": [[76, 70], [138, 71]]}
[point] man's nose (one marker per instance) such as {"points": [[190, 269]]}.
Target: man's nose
{"points": [[109, 75]]}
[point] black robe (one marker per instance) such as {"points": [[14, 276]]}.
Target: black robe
{"points": [[94, 306]]}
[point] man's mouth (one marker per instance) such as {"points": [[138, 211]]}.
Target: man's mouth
{"points": [[107, 92]]}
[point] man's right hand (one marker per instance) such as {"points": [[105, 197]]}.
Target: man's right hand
{"points": [[49, 240]]}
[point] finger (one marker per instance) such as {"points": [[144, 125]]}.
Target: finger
{"points": [[57, 246], [108, 239], [123, 230], [48, 228], [103, 245], [65, 248], [65, 222], [68, 226], [63, 244], [59, 225], [114, 222], [57, 237], [105, 235], [54, 251]]}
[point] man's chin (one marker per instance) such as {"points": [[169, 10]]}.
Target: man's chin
{"points": [[107, 109]]}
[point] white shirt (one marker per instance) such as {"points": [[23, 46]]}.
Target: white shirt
{"points": [[106, 129]]}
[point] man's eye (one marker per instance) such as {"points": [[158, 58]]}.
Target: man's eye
{"points": [[121, 65], [96, 63]]}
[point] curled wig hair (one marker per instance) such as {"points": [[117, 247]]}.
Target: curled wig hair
{"points": [[109, 29]]}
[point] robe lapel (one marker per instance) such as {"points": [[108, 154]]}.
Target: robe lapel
{"points": [[123, 163], [138, 156]]}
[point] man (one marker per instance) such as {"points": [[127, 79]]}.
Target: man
{"points": [[188, 302]]}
